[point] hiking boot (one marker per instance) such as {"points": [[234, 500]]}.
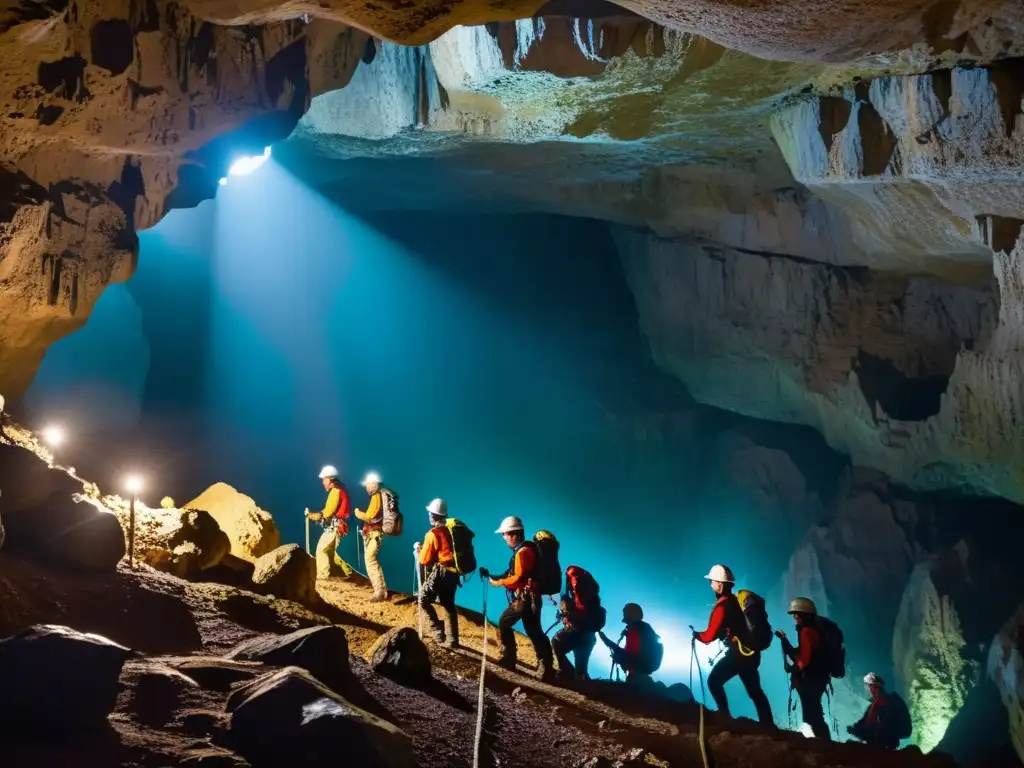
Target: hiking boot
{"points": [[449, 644], [547, 674], [509, 664]]}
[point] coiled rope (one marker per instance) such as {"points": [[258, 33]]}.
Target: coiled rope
{"points": [[480, 700]]}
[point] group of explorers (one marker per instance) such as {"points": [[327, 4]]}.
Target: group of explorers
{"points": [[738, 619]]}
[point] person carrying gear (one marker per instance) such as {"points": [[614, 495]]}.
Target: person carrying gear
{"points": [[334, 516], [437, 559], [809, 672], [728, 624], [524, 600], [373, 534], [642, 653], [582, 618], [887, 719]]}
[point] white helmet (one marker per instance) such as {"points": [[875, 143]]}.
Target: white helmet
{"points": [[438, 508], [372, 478], [328, 471], [872, 679], [510, 524], [720, 573]]}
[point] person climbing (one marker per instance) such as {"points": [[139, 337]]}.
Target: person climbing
{"points": [[582, 618], [334, 517], [642, 654], [524, 601], [728, 625], [373, 534], [887, 719], [437, 559], [809, 671]]}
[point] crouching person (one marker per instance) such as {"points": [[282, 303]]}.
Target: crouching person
{"points": [[887, 719], [641, 655], [441, 579]]}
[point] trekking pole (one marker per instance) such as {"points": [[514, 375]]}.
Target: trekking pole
{"points": [[418, 579], [307, 535], [480, 700], [359, 548]]}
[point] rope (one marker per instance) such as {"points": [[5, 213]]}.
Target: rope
{"points": [[418, 580], [480, 700], [700, 673]]}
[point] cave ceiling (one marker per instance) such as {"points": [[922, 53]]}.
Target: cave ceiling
{"points": [[818, 205]]}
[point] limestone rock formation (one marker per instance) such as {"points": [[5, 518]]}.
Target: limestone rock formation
{"points": [[400, 655], [251, 531], [289, 573], [1006, 669], [58, 680], [935, 665], [180, 541], [289, 716]]}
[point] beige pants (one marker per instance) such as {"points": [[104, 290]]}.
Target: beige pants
{"points": [[371, 548], [325, 555]]}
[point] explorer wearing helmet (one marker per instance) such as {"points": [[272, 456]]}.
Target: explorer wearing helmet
{"points": [[887, 720], [524, 601], [437, 559], [373, 534], [809, 671], [334, 517], [728, 625], [641, 654]]}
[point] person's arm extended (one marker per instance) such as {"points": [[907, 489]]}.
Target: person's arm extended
{"points": [[714, 624], [371, 511], [521, 565], [329, 508]]}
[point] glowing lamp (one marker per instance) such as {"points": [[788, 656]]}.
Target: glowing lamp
{"points": [[133, 484], [53, 435], [243, 166]]}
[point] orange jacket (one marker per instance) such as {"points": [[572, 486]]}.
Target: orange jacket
{"points": [[437, 548], [519, 577]]}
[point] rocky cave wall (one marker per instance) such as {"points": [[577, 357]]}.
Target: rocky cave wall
{"points": [[825, 233]]}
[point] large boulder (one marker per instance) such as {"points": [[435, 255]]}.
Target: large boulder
{"points": [[322, 651], [55, 678], [289, 573], [1006, 668], [71, 531], [288, 718], [400, 655], [948, 614], [251, 531], [183, 542]]}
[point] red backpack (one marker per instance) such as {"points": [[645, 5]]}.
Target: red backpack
{"points": [[582, 589]]}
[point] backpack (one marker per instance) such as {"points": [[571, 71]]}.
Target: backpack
{"points": [[587, 598], [652, 652], [759, 631], [899, 717], [391, 517], [462, 546], [548, 573], [835, 646]]}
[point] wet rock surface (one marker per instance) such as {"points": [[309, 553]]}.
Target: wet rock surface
{"points": [[400, 655]]}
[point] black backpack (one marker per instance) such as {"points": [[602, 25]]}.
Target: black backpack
{"points": [[759, 631], [835, 646], [652, 652], [548, 575], [462, 546], [898, 716]]}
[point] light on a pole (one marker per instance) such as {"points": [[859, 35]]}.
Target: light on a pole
{"points": [[133, 484], [53, 435]]}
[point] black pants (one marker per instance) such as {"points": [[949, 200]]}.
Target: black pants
{"points": [[578, 642], [811, 692], [440, 586], [735, 664], [526, 609]]}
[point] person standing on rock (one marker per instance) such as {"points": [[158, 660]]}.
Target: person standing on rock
{"points": [[437, 559], [728, 624], [334, 516], [809, 671], [373, 534], [524, 600]]}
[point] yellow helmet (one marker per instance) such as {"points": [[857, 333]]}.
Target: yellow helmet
{"points": [[632, 612]]}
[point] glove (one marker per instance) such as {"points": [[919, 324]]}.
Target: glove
{"points": [[484, 573], [416, 547]]}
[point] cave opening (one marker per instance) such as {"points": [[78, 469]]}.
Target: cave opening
{"points": [[902, 397]]}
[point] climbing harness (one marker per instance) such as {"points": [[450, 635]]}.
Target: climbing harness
{"points": [[480, 700], [418, 580]]}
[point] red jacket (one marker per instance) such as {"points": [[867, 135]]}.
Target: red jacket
{"points": [[723, 621]]}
